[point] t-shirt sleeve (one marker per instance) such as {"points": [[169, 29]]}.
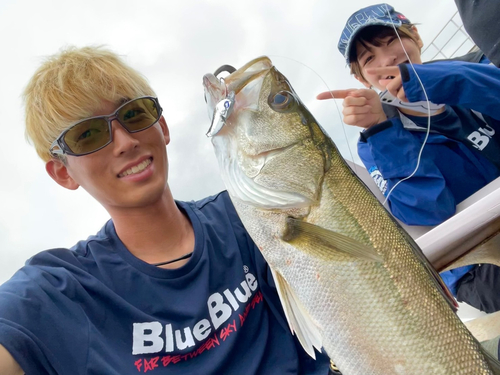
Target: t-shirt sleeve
{"points": [[39, 326]]}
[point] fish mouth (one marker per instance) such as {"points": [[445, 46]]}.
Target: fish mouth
{"points": [[220, 93], [238, 79], [247, 73]]}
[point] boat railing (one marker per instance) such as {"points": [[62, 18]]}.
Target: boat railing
{"points": [[451, 41]]}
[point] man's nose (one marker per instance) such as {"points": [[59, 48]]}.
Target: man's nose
{"points": [[123, 141], [389, 59]]}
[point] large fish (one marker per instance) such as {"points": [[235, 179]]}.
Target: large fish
{"points": [[350, 278]]}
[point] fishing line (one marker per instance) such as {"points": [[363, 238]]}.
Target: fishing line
{"points": [[428, 109], [336, 105]]}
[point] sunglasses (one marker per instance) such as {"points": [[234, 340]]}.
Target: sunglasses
{"points": [[92, 134]]}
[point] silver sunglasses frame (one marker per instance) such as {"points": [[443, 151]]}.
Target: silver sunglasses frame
{"points": [[59, 146]]}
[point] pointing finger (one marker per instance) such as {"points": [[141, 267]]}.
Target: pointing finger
{"points": [[384, 71], [335, 94]]}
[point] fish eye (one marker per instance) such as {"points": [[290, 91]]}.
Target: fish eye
{"points": [[281, 100]]}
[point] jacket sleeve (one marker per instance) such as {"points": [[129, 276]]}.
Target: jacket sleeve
{"points": [[390, 153], [452, 277], [471, 85]]}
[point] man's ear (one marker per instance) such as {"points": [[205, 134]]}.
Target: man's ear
{"points": [[362, 80], [164, 128], [414, 30], [59, 173]]}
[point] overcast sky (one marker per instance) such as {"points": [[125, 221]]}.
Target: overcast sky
{"points": [[173, 43]]}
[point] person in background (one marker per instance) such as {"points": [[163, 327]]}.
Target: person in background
{"points": [[462, 151], [170, 286], [480, 19]]}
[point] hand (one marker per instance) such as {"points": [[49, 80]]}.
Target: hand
{"points": [[361, 107], [395, 85]]}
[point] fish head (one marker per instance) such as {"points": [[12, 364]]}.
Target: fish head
{"points": [[263, 137]]}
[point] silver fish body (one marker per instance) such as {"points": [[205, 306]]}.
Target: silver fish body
{"points": [[350, 278]]}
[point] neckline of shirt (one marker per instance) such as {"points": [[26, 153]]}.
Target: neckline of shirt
{"points": [[151, 269]]}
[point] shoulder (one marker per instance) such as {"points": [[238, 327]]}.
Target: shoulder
{"points": [[76, 254], [214, 209], [63, 266], [48, 278], [474, 57], [220, 201], [219, 222], [55, 277]]}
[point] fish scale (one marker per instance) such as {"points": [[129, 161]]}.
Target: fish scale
{"points": [[349, 277]]}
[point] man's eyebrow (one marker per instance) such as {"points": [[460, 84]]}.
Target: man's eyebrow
{"points": [[365, 48], [362, 53], [123, 101]]}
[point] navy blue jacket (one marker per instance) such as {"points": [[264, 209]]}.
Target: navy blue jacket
{"points": [[461, 153]]}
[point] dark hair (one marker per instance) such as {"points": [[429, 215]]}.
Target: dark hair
{"points": [[373, 35]]}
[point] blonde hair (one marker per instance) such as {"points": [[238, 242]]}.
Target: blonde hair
{"points": [[373, 35], [70, 86]]}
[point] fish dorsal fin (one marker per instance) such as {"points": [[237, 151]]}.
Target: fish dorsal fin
{"points": [[334, 240], [301, 323], [441, 286]]}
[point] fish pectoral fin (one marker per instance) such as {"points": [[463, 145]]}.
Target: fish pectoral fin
{"points": [[334, 240], [301, 323]]}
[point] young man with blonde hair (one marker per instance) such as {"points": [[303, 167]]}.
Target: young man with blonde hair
{"points": [[165, 286]]}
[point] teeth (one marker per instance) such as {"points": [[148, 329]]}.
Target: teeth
{"points": [[136, 168]]}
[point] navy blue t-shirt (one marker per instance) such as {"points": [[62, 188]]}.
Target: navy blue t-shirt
{"points": [[97, 309]]}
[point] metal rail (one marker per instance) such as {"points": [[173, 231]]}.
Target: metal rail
{"points": [[458, 35]]}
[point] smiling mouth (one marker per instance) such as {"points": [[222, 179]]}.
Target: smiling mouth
{"points": [[137, 168]]}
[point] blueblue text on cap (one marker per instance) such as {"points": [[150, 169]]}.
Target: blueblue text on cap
{"points": [[380, 14]]}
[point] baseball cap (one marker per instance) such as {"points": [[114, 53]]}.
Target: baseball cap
{"points": [[380, 14]]}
